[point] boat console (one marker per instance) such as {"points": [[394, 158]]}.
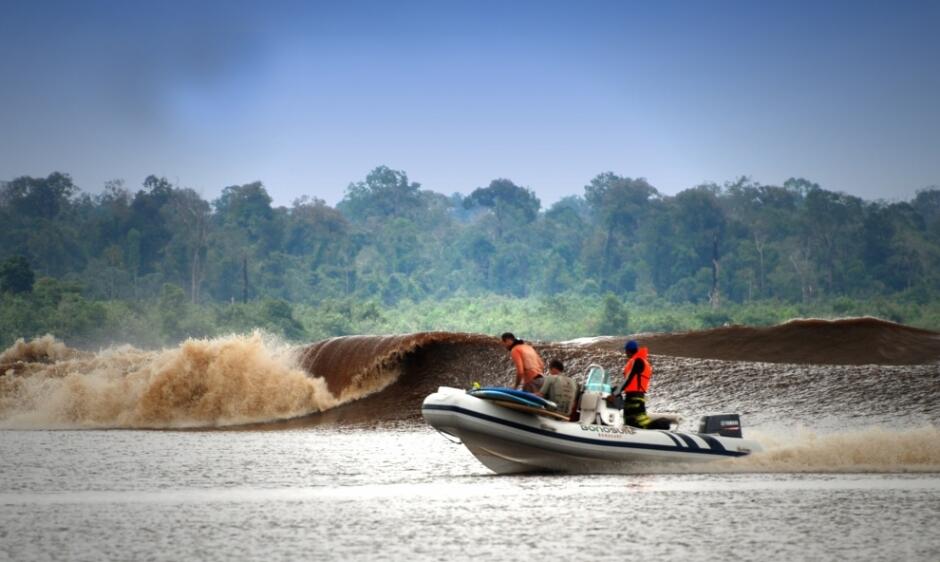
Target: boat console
{"points": [[595, 410], [594, 407]]}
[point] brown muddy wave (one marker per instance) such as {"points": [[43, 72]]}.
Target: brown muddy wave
{"points": [[704, 371], [848, 341], [383, 379], [811, 418], [202, 383]]}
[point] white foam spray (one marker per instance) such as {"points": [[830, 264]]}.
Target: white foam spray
{"points": [[201, 383]]}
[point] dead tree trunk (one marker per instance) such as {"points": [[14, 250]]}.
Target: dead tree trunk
{"points": [[759, 246], [606, 260], [801, 264], [245, 279], [715, 297], [195, 267]]}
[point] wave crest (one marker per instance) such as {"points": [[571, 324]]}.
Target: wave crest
{"points": [[845, 341], [214, 382]]}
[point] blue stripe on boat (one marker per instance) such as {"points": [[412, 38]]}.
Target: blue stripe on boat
{"points": [[688, 441]]}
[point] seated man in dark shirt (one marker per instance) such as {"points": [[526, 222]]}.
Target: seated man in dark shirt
{"points": [[559, 388]]}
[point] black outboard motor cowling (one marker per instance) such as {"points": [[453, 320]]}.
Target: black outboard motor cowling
{"points": [[726, 425]]}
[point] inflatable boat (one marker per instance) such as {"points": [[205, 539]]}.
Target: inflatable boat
{"points": [[516, 432]]}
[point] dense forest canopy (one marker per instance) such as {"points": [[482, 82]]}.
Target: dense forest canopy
{"points": [[389, 240]]}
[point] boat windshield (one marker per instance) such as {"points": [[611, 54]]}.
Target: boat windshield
{"points": [[597, 380]]}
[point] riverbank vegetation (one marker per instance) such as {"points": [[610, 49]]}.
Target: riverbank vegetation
{"points": [[157, 264], [81, 322]]}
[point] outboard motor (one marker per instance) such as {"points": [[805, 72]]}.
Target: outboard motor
{"points": [[726, 425]]}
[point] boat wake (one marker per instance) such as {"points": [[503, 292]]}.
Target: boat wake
{"points": [[872, 450]]}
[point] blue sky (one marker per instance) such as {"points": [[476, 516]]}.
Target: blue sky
{"points": [[308, 97]]}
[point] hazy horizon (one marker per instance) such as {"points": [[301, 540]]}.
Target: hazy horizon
{"points": [[310, 97]]}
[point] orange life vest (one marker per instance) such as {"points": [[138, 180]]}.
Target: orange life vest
{"points": [[641, 382]]}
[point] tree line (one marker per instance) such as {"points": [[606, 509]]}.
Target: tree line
{"points": [[389, 240]]}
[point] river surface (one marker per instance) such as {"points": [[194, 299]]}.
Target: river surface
{"points": [[408, 494], [245, 448]]}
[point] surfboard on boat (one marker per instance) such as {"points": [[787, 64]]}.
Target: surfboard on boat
{"points": [[513, 396], [518, 400], [507, 395]]}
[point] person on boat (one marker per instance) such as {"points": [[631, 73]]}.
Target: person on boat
{"points": [[559, 388], [529, 364], [636, 373]]}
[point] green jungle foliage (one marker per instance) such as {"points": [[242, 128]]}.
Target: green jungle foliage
{"points": [[159, 264]]}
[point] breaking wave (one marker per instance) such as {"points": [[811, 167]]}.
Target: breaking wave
{"points": [[407, 367], [228, 381], [40, 350], [381, 380], [201, 383]]}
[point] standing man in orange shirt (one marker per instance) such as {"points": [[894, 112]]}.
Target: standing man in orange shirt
{"points": [[529, 365]]}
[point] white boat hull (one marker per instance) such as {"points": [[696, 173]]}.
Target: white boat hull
{"points": [[507, 441]]}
